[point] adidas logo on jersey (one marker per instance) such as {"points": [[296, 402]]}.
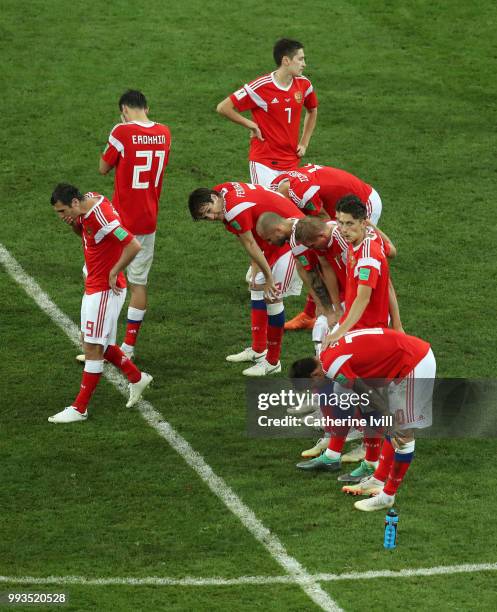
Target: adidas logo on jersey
{"points": [[274, 101]]}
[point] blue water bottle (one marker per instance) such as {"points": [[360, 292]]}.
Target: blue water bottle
{"points": [[391, 521]]}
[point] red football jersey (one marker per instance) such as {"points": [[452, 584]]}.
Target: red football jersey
{"points": [[244, 203], [315, 187], [373, 354], [367, 265], [277, 111], [104, 239], [140, 152]]}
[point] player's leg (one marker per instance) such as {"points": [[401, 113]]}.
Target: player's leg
{"points": [[416, 394], [262, 175], [137, 274], [93, 311], [288, 281], [374, 206], [138, 380], [259, 319]]}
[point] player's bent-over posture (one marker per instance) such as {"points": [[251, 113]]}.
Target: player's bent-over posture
{"points": [[316, 190], [138, 149], [108, 248], [239, 206], [275, 101], [406, 366]]}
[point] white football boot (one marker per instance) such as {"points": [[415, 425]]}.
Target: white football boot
{"points": [[262, 368], [247, 354], [355, 454], [81, 358], [367, 486], [318, 448], [136, 389], [68, 415], [382, 501]]}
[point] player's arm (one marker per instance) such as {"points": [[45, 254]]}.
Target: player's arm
{"points": [[129, 253], [392, 251], [256, 255], [331, 283], [393, 308], [356, 311], [318, 290], [104, 167], [310, 119], [227, 109]]}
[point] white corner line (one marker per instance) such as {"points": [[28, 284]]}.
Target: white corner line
{"points": [[216, 484]]}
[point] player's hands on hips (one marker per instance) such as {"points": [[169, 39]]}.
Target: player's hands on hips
{"points": [[113, 282], [301, 149], [271, 292], [255, 132]]}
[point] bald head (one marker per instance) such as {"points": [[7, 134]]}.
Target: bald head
{"points": [[273, 228]]}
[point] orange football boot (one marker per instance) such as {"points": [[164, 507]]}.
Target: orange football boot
{"points": [[301, 321]]}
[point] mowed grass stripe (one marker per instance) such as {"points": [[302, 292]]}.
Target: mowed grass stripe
{"points": [[216, 484]]}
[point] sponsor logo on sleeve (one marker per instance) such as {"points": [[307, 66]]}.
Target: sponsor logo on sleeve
{"points": [[364, 274], [120, 233], [240, 94], [310, 206], [341, 379], [236, 225], [303, 260]]}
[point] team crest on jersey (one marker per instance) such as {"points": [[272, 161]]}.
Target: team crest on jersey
{"points": [[298, 96], [88, 231], [352, 261]]}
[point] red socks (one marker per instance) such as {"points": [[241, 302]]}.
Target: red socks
{"points": [[259, 328], [114, 355], [386, 460], [310, 306], [91, 375], [373, 448]]}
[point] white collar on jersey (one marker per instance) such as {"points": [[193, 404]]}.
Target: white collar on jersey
{"points": [[143, 123], [280, 86], [97, 203]]}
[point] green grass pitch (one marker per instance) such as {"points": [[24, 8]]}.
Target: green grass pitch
{"points": [[407, 102]]}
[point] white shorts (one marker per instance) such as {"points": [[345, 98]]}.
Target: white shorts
{"points": [[411, 401], [138, 269], [263, 175], [286, 277], [374, 207], [99, 315]]}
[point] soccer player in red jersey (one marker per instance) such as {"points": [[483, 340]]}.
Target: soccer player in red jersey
{"points": [[239, 206], [368, 289], [275, 101], [108, 248], [316, 190], [326, 240], [138, 149], [406, 366]]}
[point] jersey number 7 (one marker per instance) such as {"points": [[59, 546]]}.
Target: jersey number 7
{"points": [[146, 167]]}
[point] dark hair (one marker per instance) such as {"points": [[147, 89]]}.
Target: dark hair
{"points": [[65, 193], [352, 205], [198, 199], [133, 98], [302, 368], [285, 47]]}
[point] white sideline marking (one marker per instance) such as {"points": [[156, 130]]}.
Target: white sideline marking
{"points": [[217, 485], [218, 581]]}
